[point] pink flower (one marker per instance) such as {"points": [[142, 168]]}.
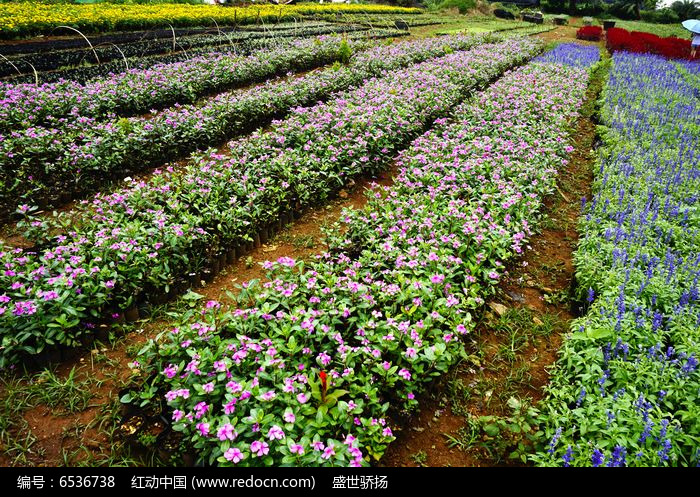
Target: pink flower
{"points": [[286, 261], [203, 429], [324, 358], [405, 374], [302, 398], [289, 417], [328, 452], [259, 448], [437, 279], [226, 432], [275, 433], [234, 455], [208, 387], [230, 407], [297, 449], [234, 387], [410, 352]]}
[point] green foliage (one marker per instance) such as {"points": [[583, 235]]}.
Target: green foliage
{"points": [[661, 16], [507, 437], [344, 52], [686, 9], [463, 6]]}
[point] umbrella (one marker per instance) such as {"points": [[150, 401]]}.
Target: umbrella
{"points": [[692, 25]]}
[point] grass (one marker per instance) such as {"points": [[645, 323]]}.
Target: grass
{"points": [[69, 395], [663, 30], [298, 241]]}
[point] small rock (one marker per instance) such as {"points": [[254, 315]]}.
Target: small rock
{"points": [[499, 309], [537, 321], [419, 429], [547, 289], [269, 248], [343, 194], [530, 283], [516, 297]]}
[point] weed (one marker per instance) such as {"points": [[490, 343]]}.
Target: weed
{"points": [[70, 394], [420, 458]]}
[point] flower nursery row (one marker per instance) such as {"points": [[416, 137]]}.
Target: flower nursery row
{"points": [[50, 61], [84, 74], [304, 372], [34, 17], [145, 240], [626, 388], [41, 162], [138, 91], [618, 39]]}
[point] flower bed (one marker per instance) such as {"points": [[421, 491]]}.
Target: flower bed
{"points": [[590, 33], [61, 59], [625, 391], [139, 91], [39, 162], [639, 42], [305, 371], [571, 54], [34, 18], [146, 239]]}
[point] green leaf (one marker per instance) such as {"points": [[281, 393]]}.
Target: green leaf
{"points": [[492, 430]]}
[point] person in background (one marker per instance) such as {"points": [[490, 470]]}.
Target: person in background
{"points": [[694, 45]]}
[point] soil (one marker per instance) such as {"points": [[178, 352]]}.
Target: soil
{"points": [[82, 434]]}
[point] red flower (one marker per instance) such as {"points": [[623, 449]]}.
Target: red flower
{"points": [[324, 385]]}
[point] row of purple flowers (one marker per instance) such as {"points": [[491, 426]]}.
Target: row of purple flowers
{"points": [[305, 370]]}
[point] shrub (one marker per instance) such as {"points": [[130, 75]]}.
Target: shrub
{"points": [[590, 33], [640, 42], [661, 16], [463, 6]]}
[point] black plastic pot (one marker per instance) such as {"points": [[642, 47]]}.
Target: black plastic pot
{"points": [[131, 314], [608, 24]]}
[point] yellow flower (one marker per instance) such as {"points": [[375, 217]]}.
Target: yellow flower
{"points": [[36, 17]]}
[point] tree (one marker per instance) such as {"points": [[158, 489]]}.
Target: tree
{"points": [[686, 9]]}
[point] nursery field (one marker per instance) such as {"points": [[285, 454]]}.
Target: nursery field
{"points": [[373, 237]]}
